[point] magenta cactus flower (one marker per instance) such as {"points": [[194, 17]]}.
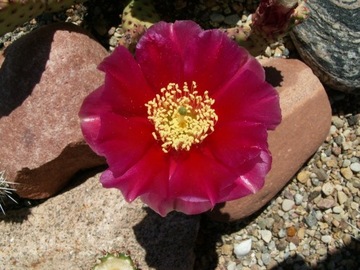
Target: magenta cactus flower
{"points": [[183, 123]]}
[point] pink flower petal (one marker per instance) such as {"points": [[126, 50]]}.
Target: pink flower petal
{"points": [[149, 174], [126, 89], [248, 99], [164, 205], [198, 176], [160, 52], [89, 115], [235, 143], [212, 66], [251, 180], [123, 141]]}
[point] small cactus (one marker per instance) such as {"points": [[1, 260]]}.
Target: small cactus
{"points": [[137, 16], [117, 261], [5, 191], [139, 12], [16, 12], [272, 20]]}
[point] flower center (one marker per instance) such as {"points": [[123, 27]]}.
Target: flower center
{"points": [[181, 117]]}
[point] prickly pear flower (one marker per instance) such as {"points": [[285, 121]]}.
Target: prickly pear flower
{"points": [[183, 123]]}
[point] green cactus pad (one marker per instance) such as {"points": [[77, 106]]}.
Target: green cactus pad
{"points": [[137, 16], [115, 262], [16, 12], [139, 12]]}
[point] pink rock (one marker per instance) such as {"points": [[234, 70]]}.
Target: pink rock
{"points": [[43, 79], [306, 122]]}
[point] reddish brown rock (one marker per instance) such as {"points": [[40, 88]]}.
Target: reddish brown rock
{"points": [[306, 122], [43, 79]]}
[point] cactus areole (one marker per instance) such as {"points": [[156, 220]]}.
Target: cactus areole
{"points": [[183, 123]]}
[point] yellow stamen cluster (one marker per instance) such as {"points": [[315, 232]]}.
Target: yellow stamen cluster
{"points": [[181, 117]]}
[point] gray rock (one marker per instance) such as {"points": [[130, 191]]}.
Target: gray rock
{"points": [[328, 41]]}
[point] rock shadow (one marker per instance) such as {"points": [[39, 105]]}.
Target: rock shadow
{"points": [[17, 80], [19, 211], [343, 258], [210, 234], [168, 241], [345, 103]]}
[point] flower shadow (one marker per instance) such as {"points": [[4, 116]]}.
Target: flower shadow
{"points": [[168, 241], [211, 233], [273, 76]]}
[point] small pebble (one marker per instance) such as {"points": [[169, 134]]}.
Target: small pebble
{"points": [[291, 231], [292, 246], [332, 163], [347, 239], [311, 219], [354, 206], [266, 235], [327, 188], [346, 173], [321, 175], [315, 182], [326, 239], [322, 251], [281, 245], [337, 209], [231, 266], [325, 203], [243, 248], [265, 257], [342, 197], [338, 122], [227, 249], [287, 205], [281, 233], [356, 183], [346, 163], [303, 176], [333, 130], [355, 167], [298, 198], [301, 233]]}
